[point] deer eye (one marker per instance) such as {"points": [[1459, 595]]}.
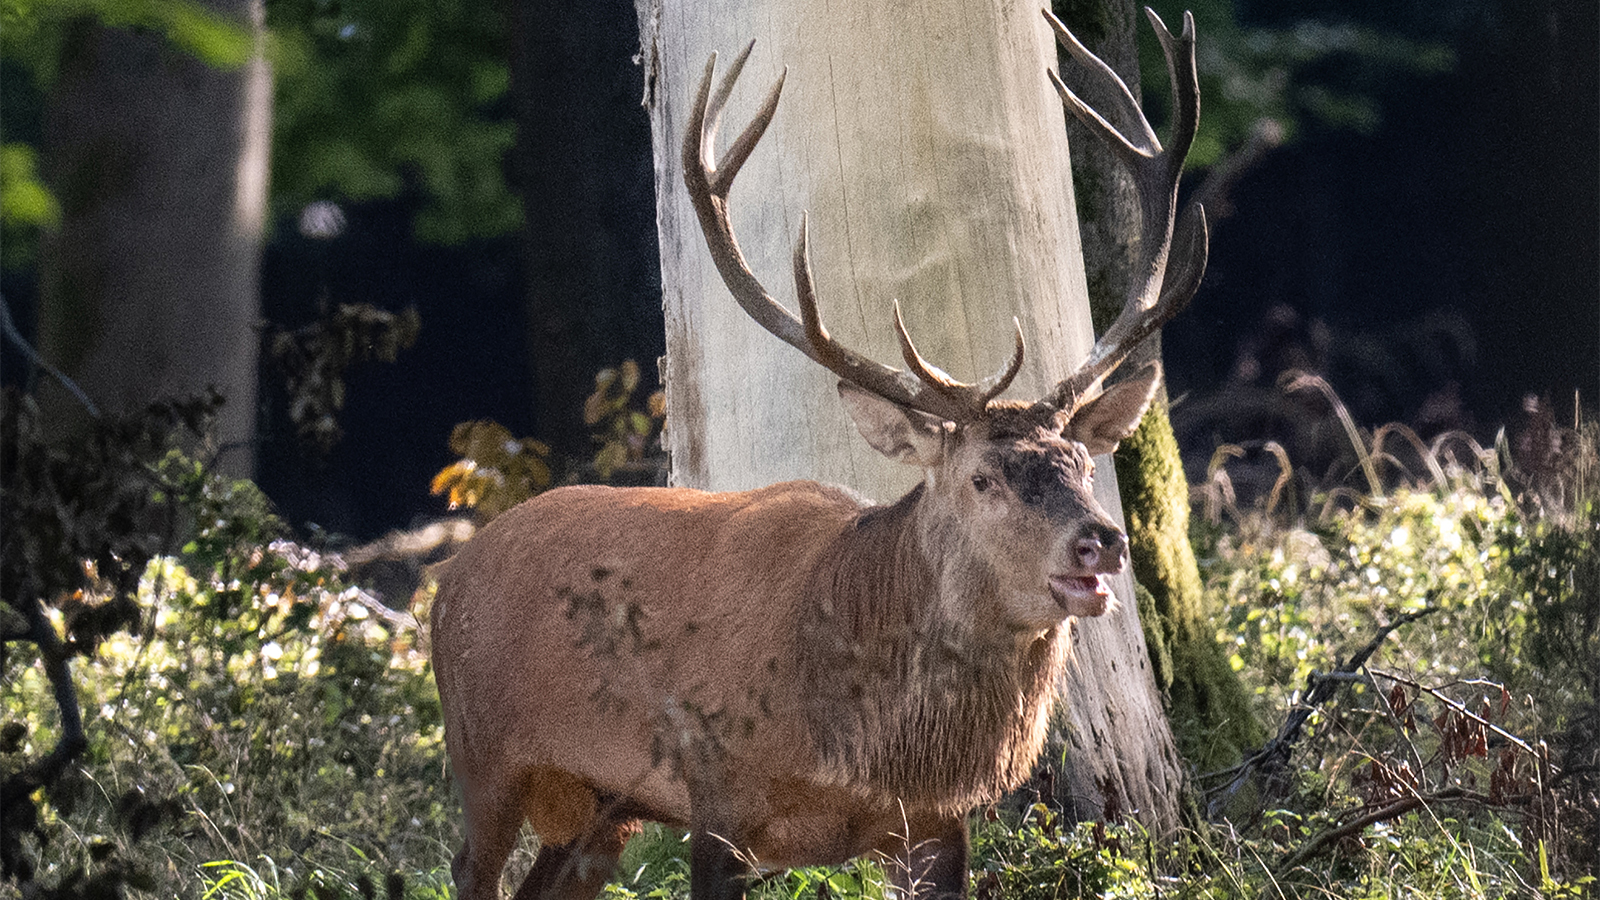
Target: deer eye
{"points": [[980, 483]]}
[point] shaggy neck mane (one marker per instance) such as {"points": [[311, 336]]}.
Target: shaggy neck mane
{"points": [[905, 699]]}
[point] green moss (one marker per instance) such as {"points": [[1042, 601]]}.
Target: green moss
{"points": [[1209, 708], [1156, 639]]}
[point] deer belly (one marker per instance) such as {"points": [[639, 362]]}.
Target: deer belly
{"points": [[813, 824]]}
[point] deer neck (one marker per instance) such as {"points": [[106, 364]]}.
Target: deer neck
{"points": [[895, 640]]}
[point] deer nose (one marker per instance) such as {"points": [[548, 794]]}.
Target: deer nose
{"points": [[1100, 549]]}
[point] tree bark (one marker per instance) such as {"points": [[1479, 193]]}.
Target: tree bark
{"points": [[928, 147], [1209, 709], [150, 286]]}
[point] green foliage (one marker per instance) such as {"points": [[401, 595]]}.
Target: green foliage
{"points": [[32, 32], [1516, 592], [629, 434], [1041, 857], [655, 866], [1469, 738], [265, 710], [77, 527], [26, 206], [375, 97], [33, 36]]}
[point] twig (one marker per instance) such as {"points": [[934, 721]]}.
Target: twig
{"points": [[1393, 810], [1460, 709], [1354, 826], [11, 333], [395, 618], [1394, 719]]}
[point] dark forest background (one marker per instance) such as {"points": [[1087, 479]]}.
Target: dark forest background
{"points": [[1425, 237]]}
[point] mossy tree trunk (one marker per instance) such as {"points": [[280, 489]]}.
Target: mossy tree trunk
{"points": [[1208, 707]]}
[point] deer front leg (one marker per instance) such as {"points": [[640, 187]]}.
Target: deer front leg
{"points": [[937, 855], [716, 872]]}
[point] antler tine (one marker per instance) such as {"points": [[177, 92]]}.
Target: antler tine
{"points": [[975, 396], [1185, 78], [1125, 147], [1159, 291], [925, 388], [1128, 331]]}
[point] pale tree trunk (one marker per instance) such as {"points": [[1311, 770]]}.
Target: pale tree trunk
{"points": [[928, 147], [1209, 708], [150, 286]]}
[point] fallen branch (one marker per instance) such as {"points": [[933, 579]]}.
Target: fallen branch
{"points": [[1393, 810], [1355, 826], [1273, 757]]}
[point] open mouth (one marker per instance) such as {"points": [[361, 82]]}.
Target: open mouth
{"points": [[1081, 595]]}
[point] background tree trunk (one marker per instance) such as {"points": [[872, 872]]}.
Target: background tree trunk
{"points": [[1209, 709], [150, 286], [928, 146]]}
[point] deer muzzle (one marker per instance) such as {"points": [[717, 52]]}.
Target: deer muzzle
{"points": [[1082, 590]]}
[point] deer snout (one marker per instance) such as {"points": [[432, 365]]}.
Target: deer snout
{"points": [[1099, 548]]}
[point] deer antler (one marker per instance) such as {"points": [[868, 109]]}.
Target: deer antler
{"points": [[1159, 292], [923, 387]]}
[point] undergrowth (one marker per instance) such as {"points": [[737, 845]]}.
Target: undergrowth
{"points": [[261, 728]]}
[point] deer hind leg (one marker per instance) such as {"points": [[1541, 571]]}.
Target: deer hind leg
{"points": [[492, 823], [579, 869], [498, 800]]}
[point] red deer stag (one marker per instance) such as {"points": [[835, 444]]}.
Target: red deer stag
{"points": [[792, 676]]}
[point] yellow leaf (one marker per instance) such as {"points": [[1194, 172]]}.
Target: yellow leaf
{"points": [[451, 475]]}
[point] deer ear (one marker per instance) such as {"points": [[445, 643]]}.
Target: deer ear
{"points": [[1112, 416], [902, 434]]}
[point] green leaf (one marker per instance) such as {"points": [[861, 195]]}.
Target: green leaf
{"points": [[24, 199]]}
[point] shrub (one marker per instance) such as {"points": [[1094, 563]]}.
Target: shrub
{"points": [[1467, 736], [264, 723]]}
